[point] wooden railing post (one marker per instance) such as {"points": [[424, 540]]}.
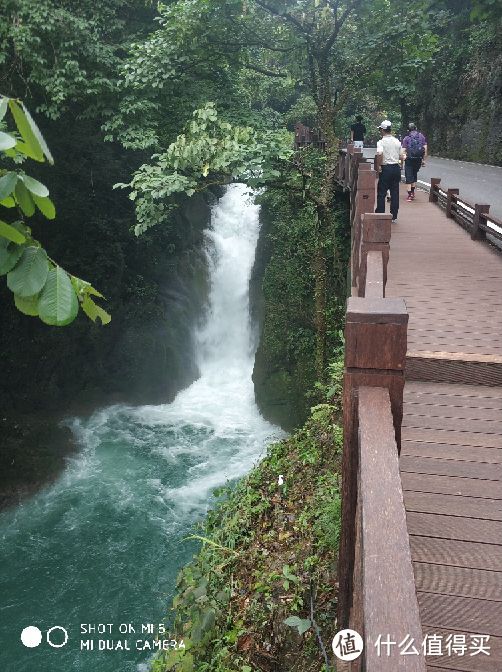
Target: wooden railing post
{"points": [[375, 236], [449, 200], [477, 232], [348, 157], [433, 193], [364, 202], [375, 355], [355, 164]]}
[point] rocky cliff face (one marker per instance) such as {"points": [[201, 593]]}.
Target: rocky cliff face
{"points": [[460, 97], [281, 304]]}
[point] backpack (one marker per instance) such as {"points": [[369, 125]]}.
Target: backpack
{"points": [[415, 149]]}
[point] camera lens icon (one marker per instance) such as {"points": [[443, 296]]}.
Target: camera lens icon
{"points": [[31, 637]]}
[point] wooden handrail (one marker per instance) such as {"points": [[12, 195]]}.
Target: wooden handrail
{"points": [[377, 594], [383, 570], [375, 355], [375, 287], [363, 203], [375, 236], [473, 217]]}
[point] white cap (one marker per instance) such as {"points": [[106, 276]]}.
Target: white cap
{"points": [[386, 124]]}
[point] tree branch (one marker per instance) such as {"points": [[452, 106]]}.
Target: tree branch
{"points": [[265, 71], [260, 42], [313, 74], [292, 20], [339, 21]]}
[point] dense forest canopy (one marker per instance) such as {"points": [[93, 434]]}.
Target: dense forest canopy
{"points": [[169, 100]]}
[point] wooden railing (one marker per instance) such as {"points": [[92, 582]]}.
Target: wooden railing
{"points": [[376, 585], [309, 137], [385, 601], [475, 218]]}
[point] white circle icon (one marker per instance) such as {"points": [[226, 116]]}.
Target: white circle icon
{"points": [[53, 644], [31, 636], [347, 644]]}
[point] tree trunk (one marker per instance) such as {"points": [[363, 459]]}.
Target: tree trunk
{"points": [[326, 119], [404, 115]]}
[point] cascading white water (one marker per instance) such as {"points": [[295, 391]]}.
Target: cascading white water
{"points": [[225, 336], [105, 542], [222, 399]]}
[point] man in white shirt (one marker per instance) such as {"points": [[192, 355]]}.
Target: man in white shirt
{"points": [[389, 157]]}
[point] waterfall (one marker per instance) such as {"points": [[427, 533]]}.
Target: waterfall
{"points": [[104, 543]]}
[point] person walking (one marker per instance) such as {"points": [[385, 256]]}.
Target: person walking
{"points": [[389, 160], [415, 145], [357, 132]]}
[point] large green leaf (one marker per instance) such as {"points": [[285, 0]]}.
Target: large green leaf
{"points": [[11, 233], [38, 135], [9, 255], [3, 107], [24, 199], [208, 619], [45, 205], [8, 202], [302, 624], [83, 287], [30, 273], [92, 310], [31, 146], [6, 141], [7, 184], [35, 186], [27, 304], [58, 303]]}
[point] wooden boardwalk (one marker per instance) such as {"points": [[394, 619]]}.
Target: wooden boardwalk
{"points": [[451, 459]]}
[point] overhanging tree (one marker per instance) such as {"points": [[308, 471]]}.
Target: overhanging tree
{"points": [[284, 41]]}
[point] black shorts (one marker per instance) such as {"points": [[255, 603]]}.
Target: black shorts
{"points": [[411, 168]]}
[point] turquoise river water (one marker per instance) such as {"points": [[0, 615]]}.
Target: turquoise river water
{"points": [[93, 558]]}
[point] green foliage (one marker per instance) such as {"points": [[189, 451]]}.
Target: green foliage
{"points": [[460, 93], [209, 152], [284, 368], [265, 547], [486, 10], [301, 624], [40, 286], [9, 232], [68, 52], [58, 303], [30, 273]]}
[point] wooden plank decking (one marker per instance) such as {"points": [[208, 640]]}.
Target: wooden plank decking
{"points": [[451, 459]]}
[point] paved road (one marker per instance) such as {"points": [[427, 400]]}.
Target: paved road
{"points": [[478, 183]]}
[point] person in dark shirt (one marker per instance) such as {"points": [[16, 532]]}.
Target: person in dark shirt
{"points": [[357, 132]]}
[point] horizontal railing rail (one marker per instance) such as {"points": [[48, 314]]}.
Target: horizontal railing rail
{"points": [[375, 284], [474, 217], [384, 583]]}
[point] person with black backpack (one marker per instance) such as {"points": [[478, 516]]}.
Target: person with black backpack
{"points": [[415, 146]]}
